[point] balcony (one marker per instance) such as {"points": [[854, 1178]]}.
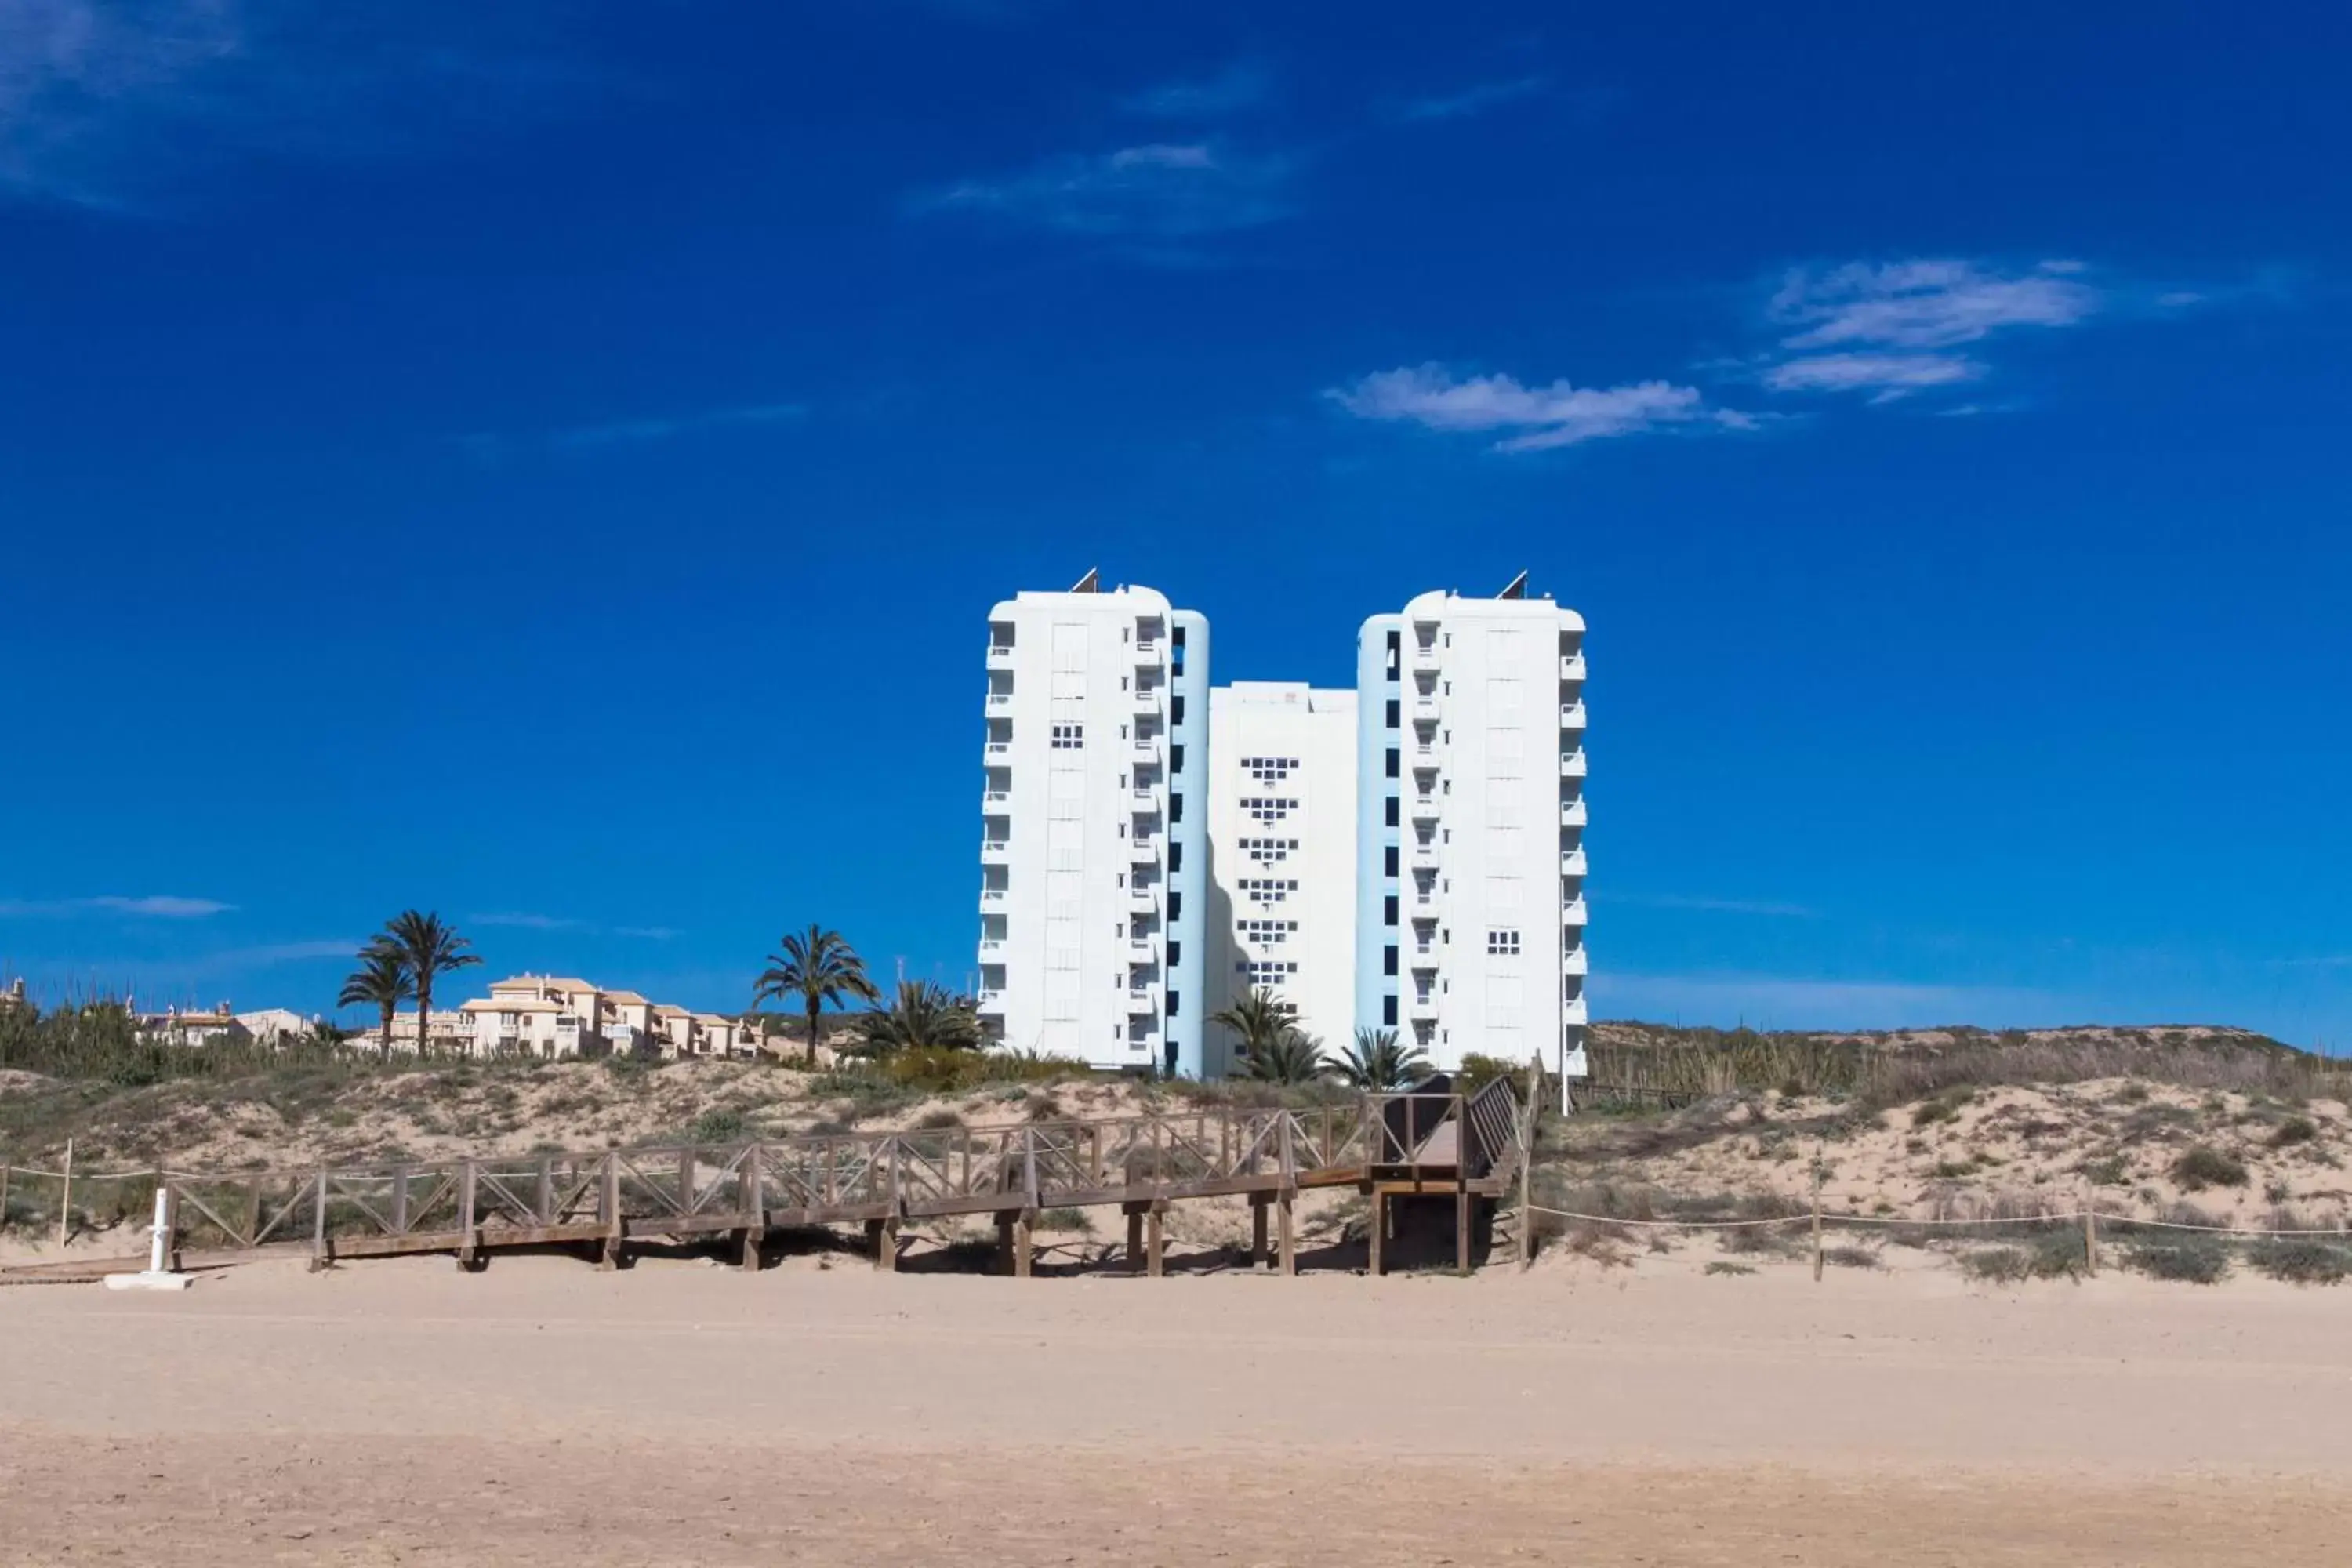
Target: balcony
{"points": [[1424, 956], [1146, 650], [1574, 961], [1000, 656], [1571, 913], [995, 852], [1572, 763], [1422, 855], [1143, 846], [998, 753], [1571, 862], [1147, 748], [1423, 1004], [991, 1001], [1143, 900], [1572, 1013], [995, 802], [1571, 667], [1424, 807], [1142, 949], [990, 947], [1571, 813], [1000, 703], [1423, 655], [1147, 699], [1142, 1001], [1425, 708], [994, 898], [1571, 716]]}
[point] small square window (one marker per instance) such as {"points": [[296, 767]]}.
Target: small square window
{"points": [[1068, 737], [1503, 943]]}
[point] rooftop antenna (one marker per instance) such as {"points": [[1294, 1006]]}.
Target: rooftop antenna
{"points": [[1518, 588], [1089, 584]]}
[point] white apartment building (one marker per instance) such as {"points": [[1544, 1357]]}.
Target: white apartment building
{"points": [[1470, 914], [1094, 853], [554, 1017], [1282, 856]]}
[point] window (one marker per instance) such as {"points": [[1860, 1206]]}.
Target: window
{"points": [[1391, 818], [1175, 954], [1176, 709], [1396, 640], [1069, 737], [1175, 857], [1387, 909], [1393, 760], [1389, 866], [1175, 908], [1388, 958], [1273, 933], [1388, 1003], [1503, 943], [1267, 890], [1175, 808], [1175, 1002], [1268, 808], [1267, 971], [1269, 770], [1396, 712], [1268, 851], [1176, 759]]}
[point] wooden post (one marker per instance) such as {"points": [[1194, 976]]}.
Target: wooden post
{"points": [[171, 1220], [1258, 1202], [252, 1212], [1023, 1243], [65, 1201], [3, 1196], [685, 1182], [318, 1225], [2090, 1228], [465, 1214], [1462, 1220], [400, 1201], [755, 1208], [545, 1204], [1817, 1216], [1379, 1231], [1288, 1234], [1004, 1244], [1155, 1238], [610, 1258], [1134, 1238], [882, 1235], [1528, 1123]]}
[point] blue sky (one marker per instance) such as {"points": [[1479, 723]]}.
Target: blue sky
{"points": [[553, 470]]}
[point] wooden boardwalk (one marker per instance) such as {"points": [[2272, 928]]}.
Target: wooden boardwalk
{"points": [[1421, 1143]]}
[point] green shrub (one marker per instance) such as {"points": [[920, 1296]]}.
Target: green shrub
{"points": [[2197, 1259], [719, 1124], [2293, 1131], [2204, 1167], [1063, 1219], [1723, 1267], [2048, 1255], [2303, 1260], [1945, 1107], [1477, 1071]]}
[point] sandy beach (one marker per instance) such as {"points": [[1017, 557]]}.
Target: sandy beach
{"points": [[678, 1413]]}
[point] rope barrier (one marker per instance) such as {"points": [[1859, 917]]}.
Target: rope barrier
{"points": [[2070, 1215]]}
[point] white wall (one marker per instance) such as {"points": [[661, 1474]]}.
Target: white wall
{"points": [[1272, 723]]}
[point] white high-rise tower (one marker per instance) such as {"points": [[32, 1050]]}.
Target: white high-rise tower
{"points": [[1094, 854], [1470, 856]]}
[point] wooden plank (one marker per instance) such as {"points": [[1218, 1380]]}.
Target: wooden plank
{"points": [[1462, 1232], [1134, 1238], [1025, 1244], [1378, 1231], [318, 1227], [680, 1225], [1155, 1244], [396, 1246], [1257, 1229], [1290, 1235], [496, 1235], [465, 1193], [609, 1258]]}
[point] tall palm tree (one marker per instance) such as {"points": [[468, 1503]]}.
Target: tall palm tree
{"points": [[1258, 1021], [432, 949], [1378, 1062], [1292, 1057], [923, 1017], [383, 981], [818, 967]]}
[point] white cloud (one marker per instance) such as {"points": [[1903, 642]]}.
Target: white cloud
{"points": [[151, 906], [1889, 375], [524, 921], [1475, 99], [662, 427], [1160, 190], [1245, 84], [1535, 418], [1718, 906], [1927, 303]]}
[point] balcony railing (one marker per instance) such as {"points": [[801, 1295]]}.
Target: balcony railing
{"points": [[1571, 863], [1571, 716], [995, 800], [994, 848], [1424, 805], [1571, 667], [1423, 655], [991, 1001], [1572, 763], [1146, 647], [1143, 846], [1000, 655], [1572, 913], [1572, 1013], [994, 898], [997, 748], [1000, 703], [1571, 813], [1574, 961]]}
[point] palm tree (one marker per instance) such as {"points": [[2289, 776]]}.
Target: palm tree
{"points": [[925, 1017], [1378, 1062], [1259, 1020], [1292, 1057], [383, 981], [818, 968], [431, 949]]}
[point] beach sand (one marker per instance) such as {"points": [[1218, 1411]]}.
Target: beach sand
{"points": [[542, 1413]]}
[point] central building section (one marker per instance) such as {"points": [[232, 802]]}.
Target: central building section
{"points": [[1282, 856]]}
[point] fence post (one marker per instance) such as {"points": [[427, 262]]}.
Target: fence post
{"points": [[465, 1214], [1526, 1238], [1817, 1216], [2090, 1228], [611, 1256], [755, 1209], [3, 1196], [65, 1201], [318, 1223]]}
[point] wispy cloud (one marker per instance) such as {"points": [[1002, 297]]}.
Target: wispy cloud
{"points": [[1161, 190], [1927, 303], [1785, 1002], [519, 920], [1532, 418], [1887, 375], [1243, 85], [1714, 905], [1474, 100], [110, 104], [150, 906], [662, 427]]}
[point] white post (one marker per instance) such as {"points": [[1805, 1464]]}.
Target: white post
{"points": [[157, 1277]]}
